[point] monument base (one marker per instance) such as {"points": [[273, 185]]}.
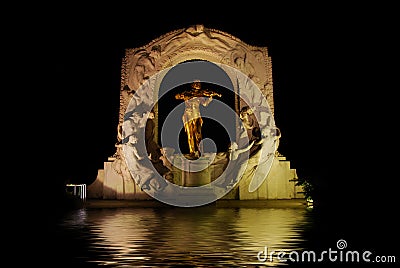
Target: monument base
{"points": [[280, 183], [192, 173]]}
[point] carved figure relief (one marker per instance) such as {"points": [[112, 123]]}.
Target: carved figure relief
{"points": [[142, 70]]}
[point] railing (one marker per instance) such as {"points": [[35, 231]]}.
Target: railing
{"points": [[78, 190]]}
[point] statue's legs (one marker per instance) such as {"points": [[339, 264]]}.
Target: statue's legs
{"points": [[197, 133], [190, 134], [193, 132]]}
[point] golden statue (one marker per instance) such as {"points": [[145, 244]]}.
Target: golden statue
{"points": [[191, 117]]}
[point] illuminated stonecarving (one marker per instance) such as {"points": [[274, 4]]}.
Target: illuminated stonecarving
{"points": [[195, 42], [141, 65]]}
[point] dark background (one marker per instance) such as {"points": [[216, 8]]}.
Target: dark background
{"points": [[330, 92]]}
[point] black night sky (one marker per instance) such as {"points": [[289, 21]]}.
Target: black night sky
{"points": [[325, 84]]}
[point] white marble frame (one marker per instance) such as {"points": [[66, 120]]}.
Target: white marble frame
{"points": [[194, 43]]}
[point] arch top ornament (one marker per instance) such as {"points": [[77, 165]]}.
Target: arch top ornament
{"points": [[195, 42]]}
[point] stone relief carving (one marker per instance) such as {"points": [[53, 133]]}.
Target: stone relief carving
{"points": [[119, 164], [191, 43], [194, 42]]}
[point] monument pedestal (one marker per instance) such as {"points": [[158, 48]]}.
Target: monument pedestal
{"points": [[193, 172], [280, 183]]}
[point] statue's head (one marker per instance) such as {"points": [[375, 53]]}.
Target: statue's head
{"points": [[196, 84], [246, 110], [133, 139], [151, 114], [233, 146], [155, 51]]}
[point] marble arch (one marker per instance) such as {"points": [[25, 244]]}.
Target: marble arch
{"points": [[148, 64], [195, 43]]}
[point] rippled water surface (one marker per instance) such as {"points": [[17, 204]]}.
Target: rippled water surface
{"points": [[193, 237]]}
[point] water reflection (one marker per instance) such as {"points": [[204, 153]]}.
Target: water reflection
{"points": [[196, 237]]}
